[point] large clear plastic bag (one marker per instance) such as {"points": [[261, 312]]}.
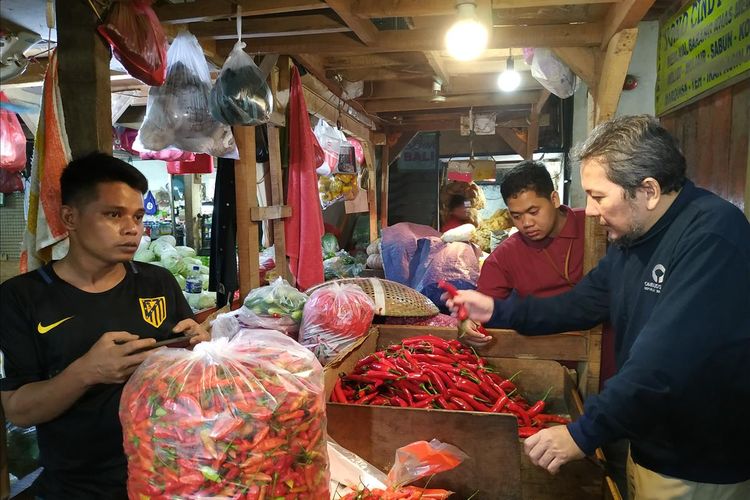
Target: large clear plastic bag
{"points": [[335, 317], [177, 113], [241, 95], [137, 39], [330, 139], [277, 306], [12, 140], [240, 418]]}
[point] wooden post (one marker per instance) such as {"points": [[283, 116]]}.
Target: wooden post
{"points": [[192, 210], [372, 199], [277, 199], [385, 168], [247, 229], [83, 71]]}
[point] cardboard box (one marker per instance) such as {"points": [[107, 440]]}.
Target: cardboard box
{"points": [[497, 467]]}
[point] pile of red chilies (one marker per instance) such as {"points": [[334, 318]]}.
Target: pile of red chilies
{"points": [[430, 372]]}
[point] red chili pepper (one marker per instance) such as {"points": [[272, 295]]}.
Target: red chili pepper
{"points": [[475, 403], [527, 431], [366, 398], [519, 412], [544, 418], [378, 375], [462, 314], [431, 358], [469, 387], [538, 407], [338, 392], [460, 403], [501, 402]]}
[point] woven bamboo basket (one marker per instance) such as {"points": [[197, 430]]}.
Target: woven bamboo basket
{"points": [[390, 298]]}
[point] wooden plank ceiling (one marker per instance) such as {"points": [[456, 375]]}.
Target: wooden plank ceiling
{"points": [[395, 47]]}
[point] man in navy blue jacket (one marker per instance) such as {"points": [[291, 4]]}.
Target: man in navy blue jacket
{"points": [[675, 284]]}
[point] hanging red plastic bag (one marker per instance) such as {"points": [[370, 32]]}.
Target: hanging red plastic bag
{"points": [[177, 113], [12, 140], [137, 39], [241, 95], [240, 418], [277, 306], [334, 318], [10, 182]]}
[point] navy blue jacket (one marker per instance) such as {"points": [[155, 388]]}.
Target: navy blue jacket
{"points": [[679, 300]]}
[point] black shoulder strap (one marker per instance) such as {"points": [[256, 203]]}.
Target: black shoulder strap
{"points": [[133, 267], [45, 275]]}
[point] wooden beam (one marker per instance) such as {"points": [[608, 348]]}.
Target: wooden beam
{"points": [[372, 186], [368, 61], [623, 15], [385, 172], [460, 85], [513, 141], [363, 28], [582, 60], [207, 10], [314, 24], [435, 60], [245, 192], [271, 212], [556, 35], [378, 74], [277, 198], [532, 140], [417, 8], [614, 69], [454, 123], [83, 75], [494, 99]]}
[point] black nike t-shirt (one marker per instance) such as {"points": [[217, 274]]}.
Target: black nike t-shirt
{"points": [[46, 325]]}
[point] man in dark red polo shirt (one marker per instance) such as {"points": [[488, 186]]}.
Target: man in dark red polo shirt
{"points": [[545, 256]]}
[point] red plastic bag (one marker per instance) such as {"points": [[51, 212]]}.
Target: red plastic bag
{"points": [[137, 39], [12, 140], [240, 418], [334, 318], [10, 182]]}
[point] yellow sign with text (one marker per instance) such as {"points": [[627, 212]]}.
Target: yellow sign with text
{"points": [[704, 45]]}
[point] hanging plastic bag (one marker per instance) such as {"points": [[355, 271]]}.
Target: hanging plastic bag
{"points": [[330, 139], [277, 306], [552, 73], [335, 188], [137, 39], [233, 418], [167, 154], [240, 95], [10, 182], [359, 152], [335, 316], [177, 113], [413, 462], [12, 140]]}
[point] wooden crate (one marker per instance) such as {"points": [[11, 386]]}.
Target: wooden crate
{"points": [[497, 466]]}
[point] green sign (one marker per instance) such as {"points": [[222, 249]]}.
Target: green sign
{"points": [[704, 45]]}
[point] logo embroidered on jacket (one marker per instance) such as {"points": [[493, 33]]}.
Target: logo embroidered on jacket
{"points": [[154, 310], [44, 329], [658, 273]]}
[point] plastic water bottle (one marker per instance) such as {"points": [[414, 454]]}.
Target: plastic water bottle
{"points": [[193, 282]]}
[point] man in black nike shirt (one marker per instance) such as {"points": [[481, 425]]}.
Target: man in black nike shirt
{"points": [[71, 331]]}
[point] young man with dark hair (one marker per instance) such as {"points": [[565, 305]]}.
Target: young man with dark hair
{"points": [[675, 283], [72, 331], [545, 256]]}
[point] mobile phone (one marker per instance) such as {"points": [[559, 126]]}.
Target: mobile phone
{"points": [[182, 341]]}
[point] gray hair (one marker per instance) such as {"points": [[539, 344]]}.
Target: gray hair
{"points": [[632, 148]]}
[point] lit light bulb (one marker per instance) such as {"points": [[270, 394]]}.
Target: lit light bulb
{"points": [[510, 79], [467, 38]]}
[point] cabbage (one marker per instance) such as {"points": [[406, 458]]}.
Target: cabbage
{"points": [[160, 247], [207, 300], [205, 270], [193, 299], [330, 245], [144, 244], [186, 251], [169, 239], [156, 263], [144, 255], [192, 261], [173, 263], [180, 281], [204, 281]]}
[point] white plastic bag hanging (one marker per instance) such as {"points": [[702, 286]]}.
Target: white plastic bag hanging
{"points": [[552, 73], [330, 139], [177, 113]]}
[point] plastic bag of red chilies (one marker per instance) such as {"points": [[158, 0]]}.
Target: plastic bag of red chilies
{"points": [[10, 182], [334, 318], [137, 39], [12, 140], [241, 418]]}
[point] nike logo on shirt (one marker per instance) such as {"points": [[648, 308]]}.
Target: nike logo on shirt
{"points": [[44, 329]]}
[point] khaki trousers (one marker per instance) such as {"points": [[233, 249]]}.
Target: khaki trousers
{"points": [[645, 484]]}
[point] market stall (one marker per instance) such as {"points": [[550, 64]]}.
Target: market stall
{"points": [[346, 57]]}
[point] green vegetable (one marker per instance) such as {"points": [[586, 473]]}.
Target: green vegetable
{"points": [[186, 252], [144, 255], [330, 245]]}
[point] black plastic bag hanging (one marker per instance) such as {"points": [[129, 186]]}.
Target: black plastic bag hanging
{"points": [[241, 95]]}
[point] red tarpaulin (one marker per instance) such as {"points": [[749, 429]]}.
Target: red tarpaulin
{"points": [[304, 228]]}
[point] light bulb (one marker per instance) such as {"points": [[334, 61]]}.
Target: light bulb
{"points": [[467, 38], [510, 79]]}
